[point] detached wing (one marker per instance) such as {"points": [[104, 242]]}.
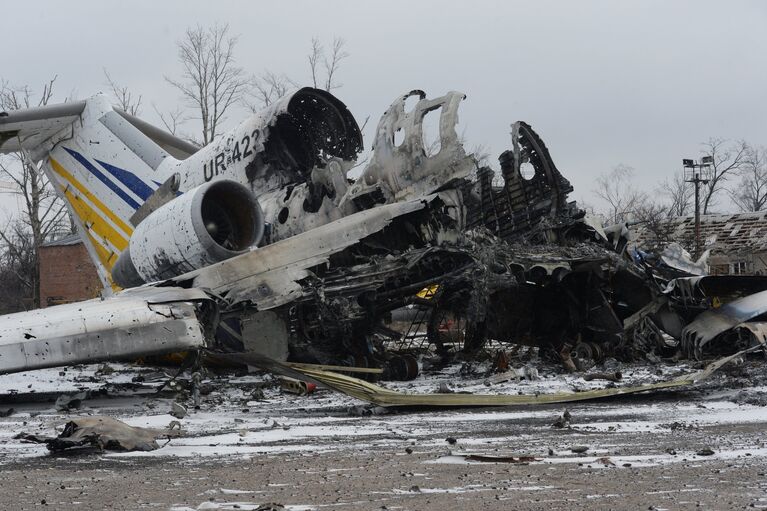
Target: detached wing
{"points": [[139, 322]]}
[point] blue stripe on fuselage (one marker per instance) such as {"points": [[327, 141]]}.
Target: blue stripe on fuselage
{"points": [[101, 177], [129, 179]]}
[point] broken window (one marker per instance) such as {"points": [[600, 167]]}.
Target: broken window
{"points": [[738, 268]]}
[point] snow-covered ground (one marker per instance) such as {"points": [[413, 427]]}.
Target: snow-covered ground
{"points": [[246, 421], [231, 424]]}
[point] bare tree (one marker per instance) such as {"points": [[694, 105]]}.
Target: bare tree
{"points": [[480, 153], [587, 206], [314, 57], [211, 82], [18, 265], [678, 196], [751, 195], [617, 190], [728, 158], [43, 213], [172, 120], [268, 88], [333, 62], [323, 71], [655, 220], [125, 98]]}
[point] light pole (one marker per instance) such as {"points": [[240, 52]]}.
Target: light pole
{"points": [[697, 173]]}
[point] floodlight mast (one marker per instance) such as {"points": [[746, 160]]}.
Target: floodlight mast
{"points": [[697, 173]]}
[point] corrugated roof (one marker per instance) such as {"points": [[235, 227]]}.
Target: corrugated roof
{"points": [[71, 239]]}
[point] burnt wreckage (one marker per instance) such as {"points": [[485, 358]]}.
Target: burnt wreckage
{"points": [[485, 256], [268, 249]]}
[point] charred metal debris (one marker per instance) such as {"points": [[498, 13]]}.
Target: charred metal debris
{"points": [[486, 257]]}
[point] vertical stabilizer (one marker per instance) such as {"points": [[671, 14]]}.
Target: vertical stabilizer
{"points": [[102, 162]]}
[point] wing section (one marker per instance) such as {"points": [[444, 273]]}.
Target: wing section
{"points": [[137, 322]]}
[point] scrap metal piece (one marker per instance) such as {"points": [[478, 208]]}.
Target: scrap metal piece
{"points": [[711, 323], [406, 170], [515, 373], [322, 367], [103, 433], [500, 459], [677, 258], [381, 396], [614, 376], [294, 386]]}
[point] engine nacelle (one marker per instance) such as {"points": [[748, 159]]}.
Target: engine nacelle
{"points": [[206, 225]]}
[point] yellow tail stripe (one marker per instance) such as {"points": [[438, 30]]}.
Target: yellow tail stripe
{"points": [[107, 260], [94, 200], [105, 255], [92, 220]]}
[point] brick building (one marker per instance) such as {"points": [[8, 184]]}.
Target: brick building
{"points": [[66, 272]]}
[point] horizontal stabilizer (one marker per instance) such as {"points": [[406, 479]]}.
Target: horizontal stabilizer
{"points": [[31, 127]]}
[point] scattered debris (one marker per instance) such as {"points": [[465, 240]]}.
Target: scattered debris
{"points": [[293, 386], [66, 402], [614, 377], [272, 506], [105, 370], [500, 459], [563, 421], [444, 388], [517, 374], [177, 410], [680, 426]]}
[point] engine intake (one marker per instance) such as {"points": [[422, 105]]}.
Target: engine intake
{"points": [[208, 224]]}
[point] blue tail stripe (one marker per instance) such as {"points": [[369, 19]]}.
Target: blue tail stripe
{"points": [[101, 177], [129, 179]]}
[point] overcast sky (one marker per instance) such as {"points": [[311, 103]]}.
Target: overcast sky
{"points": [[604, 83]]}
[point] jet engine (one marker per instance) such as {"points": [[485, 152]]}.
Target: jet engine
{"points": [[205, 225]]}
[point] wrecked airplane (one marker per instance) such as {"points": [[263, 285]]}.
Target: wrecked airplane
{"points": [[259, 243]]}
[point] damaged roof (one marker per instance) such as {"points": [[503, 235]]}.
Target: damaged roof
{"points": [[722, 232]]}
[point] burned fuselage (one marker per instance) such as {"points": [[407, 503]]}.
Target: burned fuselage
{"points": [[491, 256]]}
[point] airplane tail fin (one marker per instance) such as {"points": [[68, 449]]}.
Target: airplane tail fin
{"points": [[103, 163]]}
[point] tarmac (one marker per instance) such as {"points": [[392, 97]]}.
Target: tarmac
{"points": [[249, 445]]}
